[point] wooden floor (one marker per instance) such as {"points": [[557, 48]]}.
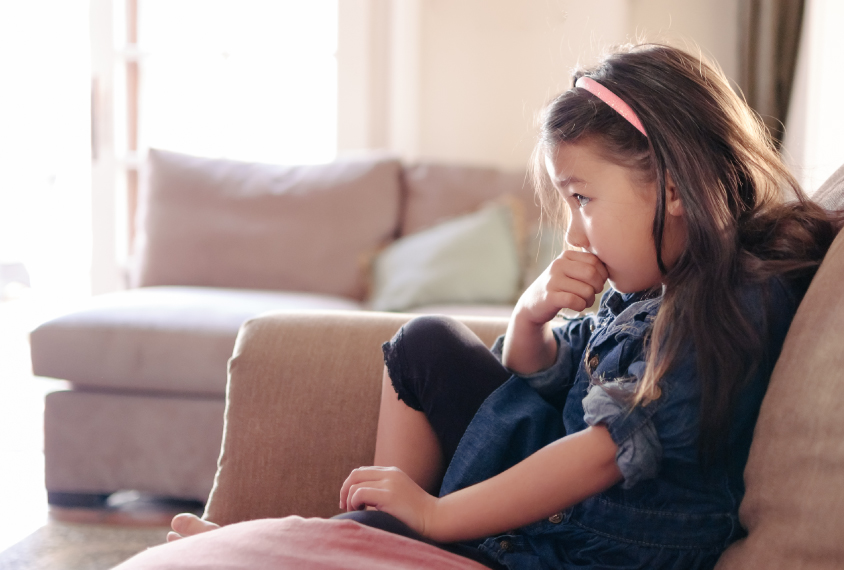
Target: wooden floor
{"points": [[23, 500]]}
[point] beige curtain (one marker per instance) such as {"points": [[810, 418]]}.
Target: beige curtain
{"points": [[770, 34]]}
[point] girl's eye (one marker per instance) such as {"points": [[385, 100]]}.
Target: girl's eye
{"points": [[581, 200]]}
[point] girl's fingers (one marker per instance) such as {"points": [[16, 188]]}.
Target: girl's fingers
{"points": [[581, 266], [563, 292], [575, 302], [361, 475], [366, 495]]}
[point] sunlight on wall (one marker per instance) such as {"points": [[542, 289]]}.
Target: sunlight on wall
{"points": [[45, 142], [243, 79]]}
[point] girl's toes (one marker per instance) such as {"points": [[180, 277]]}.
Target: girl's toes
{"points": [[187, 524]]}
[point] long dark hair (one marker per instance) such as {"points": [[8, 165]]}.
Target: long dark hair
{"points": [[747, 218]]}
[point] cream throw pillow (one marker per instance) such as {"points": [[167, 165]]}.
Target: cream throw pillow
{"points": [[470, 259]]}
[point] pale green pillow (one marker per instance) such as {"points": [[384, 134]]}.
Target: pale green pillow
{"points": [[470, 259]]}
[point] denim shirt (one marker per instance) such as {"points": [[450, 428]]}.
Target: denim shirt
{"points": [[668, 512]]}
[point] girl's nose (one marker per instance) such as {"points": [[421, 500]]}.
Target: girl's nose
{"points": [[575, 236]]}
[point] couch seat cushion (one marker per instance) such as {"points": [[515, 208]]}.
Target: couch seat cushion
{"points": [[164, 339]]}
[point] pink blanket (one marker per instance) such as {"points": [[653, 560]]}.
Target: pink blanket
{"points": [[294, 542]]}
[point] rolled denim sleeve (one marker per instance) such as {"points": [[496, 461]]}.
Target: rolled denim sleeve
{"points": [[555, 380], [639, 449]]}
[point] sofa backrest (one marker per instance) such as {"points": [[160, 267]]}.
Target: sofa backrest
{"points": [[794, 505], [434, 193]]}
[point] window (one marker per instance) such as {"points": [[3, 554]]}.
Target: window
{"points": [[252, 80], [245, 79], [813, 146]]}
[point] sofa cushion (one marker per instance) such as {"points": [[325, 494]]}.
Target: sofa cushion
{"points": [[169, 339], [470, 259], [223, 223], [438, 192], [794, 506], [293, 543], [830, 194]]}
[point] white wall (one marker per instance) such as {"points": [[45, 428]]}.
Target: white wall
{"points": [[488, 67], [708, 25], [463, 80]]}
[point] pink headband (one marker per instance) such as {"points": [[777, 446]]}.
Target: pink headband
{"points": [[612, 100]]}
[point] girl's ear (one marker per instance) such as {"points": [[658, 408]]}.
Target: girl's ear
{"points": [[673, 204]]}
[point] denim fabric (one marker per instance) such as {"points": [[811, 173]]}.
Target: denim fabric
{"points": [[638, 457], [672, 512]]}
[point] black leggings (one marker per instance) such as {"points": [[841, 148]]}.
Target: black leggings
{"points": [[440, 367], [389, 523]]}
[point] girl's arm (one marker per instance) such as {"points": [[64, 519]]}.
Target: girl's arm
{"points": [[570, 282], [554, 478]]}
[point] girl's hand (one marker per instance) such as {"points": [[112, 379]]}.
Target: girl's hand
{"points": [[390, 490], [571, 281]]}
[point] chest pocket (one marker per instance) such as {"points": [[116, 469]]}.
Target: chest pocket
{"points": [[611, 358], [603, 362]]}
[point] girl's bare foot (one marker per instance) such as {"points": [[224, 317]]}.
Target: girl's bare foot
{"points": [[187, 524]]}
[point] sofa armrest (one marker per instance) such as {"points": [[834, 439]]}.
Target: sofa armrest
{"points": [[302, 410]]}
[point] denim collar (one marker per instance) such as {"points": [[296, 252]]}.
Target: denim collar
{"points": [[618, 302]]}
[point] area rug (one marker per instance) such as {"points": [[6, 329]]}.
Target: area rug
{"points": [[68, 546]]}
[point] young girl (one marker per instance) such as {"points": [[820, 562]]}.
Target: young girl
{"points": [[616, 440]]}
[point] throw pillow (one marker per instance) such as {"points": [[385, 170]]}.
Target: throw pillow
{"points": [[224, 223], [469, 259]]}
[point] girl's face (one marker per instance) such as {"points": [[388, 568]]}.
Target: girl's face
{"points": [[612, 215]]}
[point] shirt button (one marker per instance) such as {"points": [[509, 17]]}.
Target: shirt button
{"points": [[556, 518], [506, 545], [593, 362]]}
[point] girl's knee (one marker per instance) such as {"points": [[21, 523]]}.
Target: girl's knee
{"points": [[430, 330], [429, 339]]}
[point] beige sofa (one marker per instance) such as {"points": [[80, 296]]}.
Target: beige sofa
{"points": [[301, 413], [222, 241]]}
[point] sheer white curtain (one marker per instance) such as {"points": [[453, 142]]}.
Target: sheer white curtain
{"points": [[814, 138], [45, 144]]}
